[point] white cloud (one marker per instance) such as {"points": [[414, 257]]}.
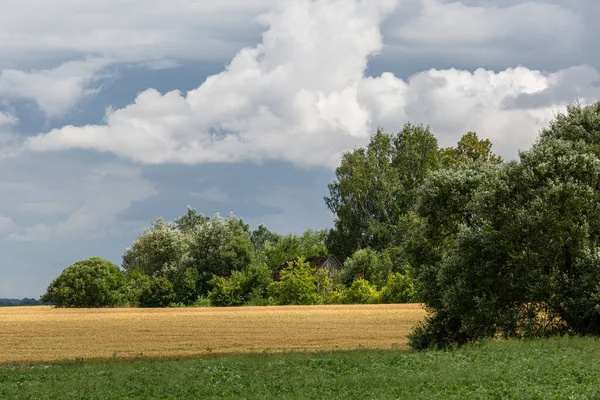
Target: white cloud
{"points": [[157, 34], [302, 96], [492, 103], [86, 37], [56, 91]]}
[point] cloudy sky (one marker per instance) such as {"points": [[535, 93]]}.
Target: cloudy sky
{"points": [[113, 113]]}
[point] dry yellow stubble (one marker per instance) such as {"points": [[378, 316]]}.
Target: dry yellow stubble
{"points": [[38, 334]]}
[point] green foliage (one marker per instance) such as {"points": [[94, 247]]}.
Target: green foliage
{"points": [[219, 247], [191, 220], [367, 264], [297, 285], [93, 282], [158, 293], [361, 292], [130, 292], [399, 289], [159, 248], [469, 149], [376, 187], [202, 301], [559, 368], [261, 236], [278, 249], [250, 285], [329, 291], [512, 249]]}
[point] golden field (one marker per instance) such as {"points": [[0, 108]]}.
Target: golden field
{"points": [[35, 334]]}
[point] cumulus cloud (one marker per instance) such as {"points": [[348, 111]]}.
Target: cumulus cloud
{"points": [[86, 37], [491, 103], [157, 34], [56, 91], [302, 96]]}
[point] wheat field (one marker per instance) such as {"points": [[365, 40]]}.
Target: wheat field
{"points": [[38, 334]]}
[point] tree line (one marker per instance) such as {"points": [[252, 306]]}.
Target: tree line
{"points": [[492, 248], [201, 260], [20, 302]]}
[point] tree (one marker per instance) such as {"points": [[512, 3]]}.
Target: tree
{"points": [[512, 249], [190, 220], [279, 248], [367, 264], [156, 249], [376, 186], [158, 293], [135, 283], [253, 284], [399, 288], [361, 292], [219, 247], [297, 285], [93, 282], [469, 149], [262, 236]]}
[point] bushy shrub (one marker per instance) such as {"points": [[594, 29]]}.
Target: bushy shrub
{"points": [[130, 292], [336, 294], [297, 285], [227, 291], [367, 264], [159, 293], [361, 292], [93, 282], [398, 289], [250, 285]]}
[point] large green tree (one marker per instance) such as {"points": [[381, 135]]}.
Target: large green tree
{"points": [[513, 249], [219, 247], [93, 282], [376, 186]]}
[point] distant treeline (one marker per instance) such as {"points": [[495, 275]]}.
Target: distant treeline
{"points": [[20, 302]]}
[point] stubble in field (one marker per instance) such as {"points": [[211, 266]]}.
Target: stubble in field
{"points": [[34, 334]]}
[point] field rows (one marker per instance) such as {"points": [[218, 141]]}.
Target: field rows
{"points": [[36, 334]]}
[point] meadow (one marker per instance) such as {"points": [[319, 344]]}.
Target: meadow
{"points": [[563, 368], [41, 334]]}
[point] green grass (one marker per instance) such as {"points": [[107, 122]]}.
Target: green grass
{"points": [[566, 368]]}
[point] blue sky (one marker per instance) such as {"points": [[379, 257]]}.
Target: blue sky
{"points": [[113, 113]]}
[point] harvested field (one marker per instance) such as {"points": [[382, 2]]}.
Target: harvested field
{"points": [[36, 334]]}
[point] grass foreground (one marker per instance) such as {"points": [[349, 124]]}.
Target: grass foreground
{"points": [[40, 334], [562, 368]]}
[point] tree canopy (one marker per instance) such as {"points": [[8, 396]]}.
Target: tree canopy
{"points": [[512, 249], [94, 282]]}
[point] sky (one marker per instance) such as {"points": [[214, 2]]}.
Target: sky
{"points": [[114, 113]]}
